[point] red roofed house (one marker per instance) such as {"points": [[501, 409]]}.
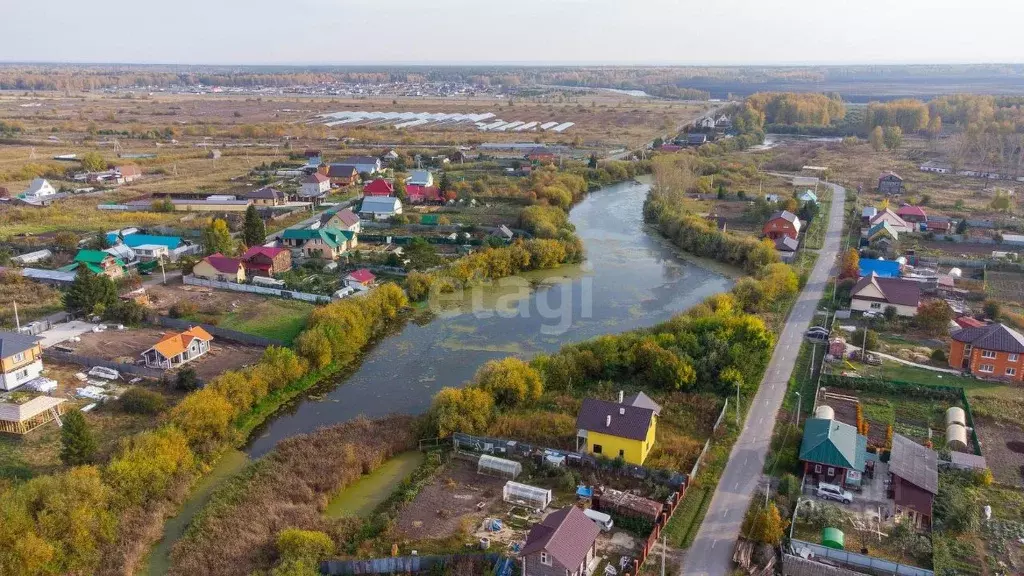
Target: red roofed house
{"points": [[417, 194], [266, 261], [781, 224], [379, 187], [563, 543], [129, 173], [941, 226], [968, 322], [220, 268], [992, 351], [912, 213], [361, 278]]}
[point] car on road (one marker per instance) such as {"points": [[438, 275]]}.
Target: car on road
{"points": [[816, 336], [834, 492]]}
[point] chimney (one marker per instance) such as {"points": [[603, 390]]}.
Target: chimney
{"points": [[608, 421], [620, 397], [622, 411]]}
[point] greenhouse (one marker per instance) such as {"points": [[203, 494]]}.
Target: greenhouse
{"points": [[494, 466], [526, 495]]}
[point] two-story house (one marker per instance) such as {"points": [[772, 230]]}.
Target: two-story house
{"points": [[266, 261], [97, 262], [890, 184], [326, 243], [564, 543], [625, 429], [340, 174], [346, 220], [992, 351], [874, 294], [20, 359], [780, 224]]}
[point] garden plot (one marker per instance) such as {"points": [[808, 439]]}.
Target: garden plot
{"points": [[458, 499], [910, 416], [1002, 443]]}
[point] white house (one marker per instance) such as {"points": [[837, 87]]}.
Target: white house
{"points": [[892, 219], [380, 207], [420, 178], [176, 349], [875, 294], [148, 252], [40, 188], [316, 184]]}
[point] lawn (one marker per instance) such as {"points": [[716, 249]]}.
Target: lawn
{"points": [[890, 370], [272, 318]]}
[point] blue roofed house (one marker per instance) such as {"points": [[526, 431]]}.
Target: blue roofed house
{"points": [[147, 247], [367, 164], [833, 452], [880, 268]]}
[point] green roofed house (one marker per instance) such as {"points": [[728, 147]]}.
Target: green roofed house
{"points": [[833, 452], [98, 262], [326, 243]]}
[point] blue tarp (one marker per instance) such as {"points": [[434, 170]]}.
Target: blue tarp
{"points": [[881, 268], [584, 492]]}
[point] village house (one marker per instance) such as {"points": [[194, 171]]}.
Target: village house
{"points": [[706, 123], [21, 359], [314, 188], [345, 220], [867, 214], [177, 349], [416, 194], [939, 226], [340, 174], [363, 164], [420, 178], [220, 268], [128, 173], [379, 187], [380, 207], [266, 261], [625, 429], [564, 543], [542, 155], [832, 452], [326, 243], [890, 184], [807, 196], [936, 167], [915, 480], [783, 223], [361, 278], [892, 219], [786, 246], [882, 235], [992, 351], [874, 294], [313, 157], [267, 196], [914, 214], [98, 262], [39, 189]]}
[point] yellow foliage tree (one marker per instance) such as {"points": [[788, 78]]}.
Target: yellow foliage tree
{"points": [[204, 416]]}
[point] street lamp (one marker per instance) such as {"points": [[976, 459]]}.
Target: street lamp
{"points": [[799, 401]]}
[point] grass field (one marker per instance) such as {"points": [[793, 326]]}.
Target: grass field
{"points": [[271, 318], [890, 370]]}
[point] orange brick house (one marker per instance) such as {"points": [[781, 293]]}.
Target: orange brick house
{"points": [[992, 351], [781, 224]]}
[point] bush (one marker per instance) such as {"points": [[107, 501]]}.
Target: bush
{"points": [[142, 401], [186, 380], [295, 544], [127, 312], [938, 355], [857, 339], [183, 309]]}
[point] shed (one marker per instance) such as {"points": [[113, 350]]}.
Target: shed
{"points": [[625, 504], [494, 466], [25, 417], [526, 495], [965, 461], [832, 538]]}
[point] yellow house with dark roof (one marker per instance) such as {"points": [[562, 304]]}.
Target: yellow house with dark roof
{"points": [[625, 429]]}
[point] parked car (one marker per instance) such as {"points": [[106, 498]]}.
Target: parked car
{"points": [[834, 492], [816, 337]]}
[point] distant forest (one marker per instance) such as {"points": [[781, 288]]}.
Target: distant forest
{"points": [[854, 83]]}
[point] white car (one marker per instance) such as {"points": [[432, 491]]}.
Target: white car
{"points": [[833, 492]]}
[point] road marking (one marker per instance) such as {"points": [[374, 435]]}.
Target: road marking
{"points": [[713, 542]]}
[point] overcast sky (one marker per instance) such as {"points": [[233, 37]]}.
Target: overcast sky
{"points": [[512, 31]]}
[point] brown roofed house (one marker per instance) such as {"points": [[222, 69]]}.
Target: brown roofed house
{"points": [[915, 480], [617, 430], [992, 351], [565, 542], [873, 294]]}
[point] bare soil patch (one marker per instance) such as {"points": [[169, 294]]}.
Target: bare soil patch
{"points": [[451, 502], [1002, 444]]}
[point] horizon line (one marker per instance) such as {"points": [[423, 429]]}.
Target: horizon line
{"points": [[512, 63]]}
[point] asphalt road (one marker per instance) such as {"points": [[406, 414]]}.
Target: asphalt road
{"points": [[711, 553]]}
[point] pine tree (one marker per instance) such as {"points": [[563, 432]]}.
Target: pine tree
{"points": [[77, 443], [446, 183], [89, 291], [254, 231]]}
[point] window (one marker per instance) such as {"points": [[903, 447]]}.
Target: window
{"points": [[21, 374], [1012, 357], [597, 448], [817, 468], [19, 357], [831, 471], [622, 453], [876, 305], [545, 559], [1011, 371], [986, 368], [988, 354]]}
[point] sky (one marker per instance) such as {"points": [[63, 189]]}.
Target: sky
{"points": [[705, 32]]}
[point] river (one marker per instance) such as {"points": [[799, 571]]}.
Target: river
{"points": [[629, 280]]}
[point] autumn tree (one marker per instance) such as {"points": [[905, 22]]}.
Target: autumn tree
{"points": [[893, 137], [877, 139], [467, 410], [934, 317], [217, 238], [65, 241], [300, 551], [146, 463], [254, 231], [204, 416], [78, 446], [93, 162], [768, 526], [1002, 202], [510, 381], [849, 266]]}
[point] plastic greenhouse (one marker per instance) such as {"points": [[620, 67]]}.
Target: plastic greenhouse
{"points": [[526, 495], [494, 466]]}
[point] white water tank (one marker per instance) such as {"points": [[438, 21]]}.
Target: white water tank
{"points": [[825, 412], [956, 437], [955, 415]]}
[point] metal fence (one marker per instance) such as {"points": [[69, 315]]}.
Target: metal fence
{"points": [[249, 288], [241, 337], [514, 448], [860, 560], [412, 564], [707, 443], [90, 361]]}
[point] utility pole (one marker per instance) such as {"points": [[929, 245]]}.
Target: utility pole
{"points": [[814, 352], [737, 405], [162, 271], [662, 555], [799, 402], [17, 322]]}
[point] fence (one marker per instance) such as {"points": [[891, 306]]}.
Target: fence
{"points": [[240, 337], [861, 561], [513, 448], [707, 443], [90, 361], [305, 296], [411, 564]]}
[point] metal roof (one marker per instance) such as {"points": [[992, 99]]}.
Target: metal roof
{"points": [[914, 463], [621, 420], [12, 343], [833, 443]]}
